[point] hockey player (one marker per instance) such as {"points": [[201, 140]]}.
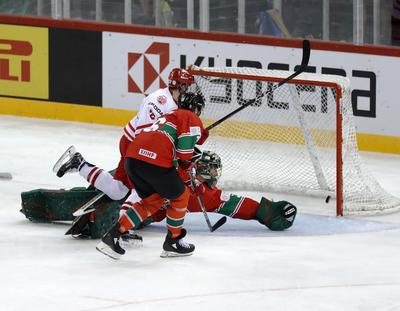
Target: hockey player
{"points": [[277, 215], [40, 204], [151, 166], [154, 105]]}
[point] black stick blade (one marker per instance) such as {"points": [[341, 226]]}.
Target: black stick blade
{"points": [[304, 63], [306, 53], [218, 224]]}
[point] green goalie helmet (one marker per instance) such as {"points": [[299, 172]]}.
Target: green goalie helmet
{"points": [[209, 167]]}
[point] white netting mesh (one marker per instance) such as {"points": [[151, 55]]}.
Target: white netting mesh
{"points": [[286, 141]]}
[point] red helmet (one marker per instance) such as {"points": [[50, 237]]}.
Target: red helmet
{"points": [[180, 79]]}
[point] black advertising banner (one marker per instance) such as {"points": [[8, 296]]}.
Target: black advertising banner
{"points": [[75, 61]]}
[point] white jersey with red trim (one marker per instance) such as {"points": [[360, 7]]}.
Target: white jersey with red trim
{"points": [[154, 105]]}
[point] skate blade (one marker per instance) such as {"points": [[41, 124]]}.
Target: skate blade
{"points": [[166, 254], [66, 155], [106, 250]]}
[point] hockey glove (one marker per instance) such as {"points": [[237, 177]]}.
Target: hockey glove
{"points": [[276, 216], [186, 165], [198, 190]]}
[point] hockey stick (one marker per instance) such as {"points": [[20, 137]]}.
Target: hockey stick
{"points": [[303, 66], [88, 206], [221, 221]]}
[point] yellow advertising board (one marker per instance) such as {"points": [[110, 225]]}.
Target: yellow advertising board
{"points": [[24, 61]]}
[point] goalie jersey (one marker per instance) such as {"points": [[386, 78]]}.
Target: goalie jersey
{"points": [[172, 137], [217, 201]]}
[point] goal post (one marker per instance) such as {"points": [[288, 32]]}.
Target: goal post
{"points": [[299, 138]]}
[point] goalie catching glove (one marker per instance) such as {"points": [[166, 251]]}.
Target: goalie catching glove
{"points": [[276, 216]]}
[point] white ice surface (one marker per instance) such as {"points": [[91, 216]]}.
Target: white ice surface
{"points": [[321, 263]]}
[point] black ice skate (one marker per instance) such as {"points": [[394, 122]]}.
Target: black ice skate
{"points": [[110, 244], [176, 247], [72, 165]]}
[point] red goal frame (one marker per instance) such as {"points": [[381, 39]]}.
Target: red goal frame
{"points": [[339, 118]]}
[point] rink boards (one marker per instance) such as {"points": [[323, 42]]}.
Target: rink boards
{"points": [[93, 72]]}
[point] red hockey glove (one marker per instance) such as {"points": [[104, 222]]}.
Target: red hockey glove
{"points": [[185, 164], [199, 190], [204, 135]]}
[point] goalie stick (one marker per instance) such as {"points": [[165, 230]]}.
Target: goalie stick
{"points": [[221, 221], [303, 66], [88, 206]]}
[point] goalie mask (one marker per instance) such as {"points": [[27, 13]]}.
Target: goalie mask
{"points": [[191, 101], [180, 79], [209, 168]]}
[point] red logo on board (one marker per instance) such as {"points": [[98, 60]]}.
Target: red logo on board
{"points": [[150, 74], [15, 48]]}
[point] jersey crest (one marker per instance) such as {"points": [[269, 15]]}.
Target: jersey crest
{"points": [[162, 99]]}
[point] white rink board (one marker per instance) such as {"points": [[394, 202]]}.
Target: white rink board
{"points": [[116, 47]]}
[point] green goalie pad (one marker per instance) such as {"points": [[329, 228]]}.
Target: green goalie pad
{"points": [[42, 205]]}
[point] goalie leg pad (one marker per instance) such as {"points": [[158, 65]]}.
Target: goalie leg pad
{"points": [[53, 205], [42, 205], [276, 216]]}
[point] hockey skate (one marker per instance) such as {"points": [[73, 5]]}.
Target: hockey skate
{"points": [[70, 162], [110, 244], [176, 247]]}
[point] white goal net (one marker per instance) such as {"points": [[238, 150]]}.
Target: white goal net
{"points": [[299, 138]]}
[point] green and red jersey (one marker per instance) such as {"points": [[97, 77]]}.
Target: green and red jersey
{"points": [[172, 137]]}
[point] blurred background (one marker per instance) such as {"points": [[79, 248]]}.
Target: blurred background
{"points": [[354, 21]]}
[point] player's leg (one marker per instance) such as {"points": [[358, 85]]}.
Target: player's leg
{"points": [[171, 187], [72, 162], [133, 212], [174, 244], [104, 181], [168, 184]]}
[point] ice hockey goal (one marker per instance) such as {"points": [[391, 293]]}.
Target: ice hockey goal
{"points": [[299, 138]]}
